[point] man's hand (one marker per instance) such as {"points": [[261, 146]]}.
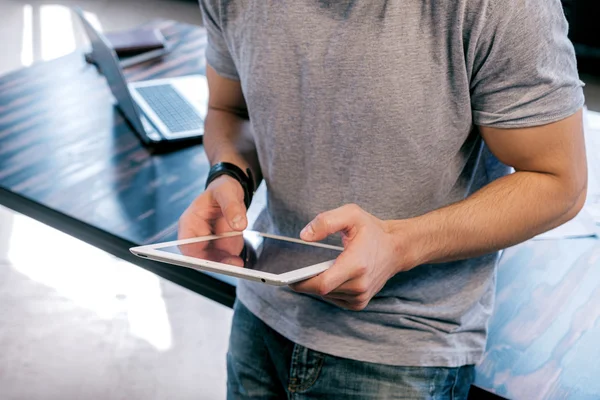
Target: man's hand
{"points": [[219, 209], [370, 257], [227, 138], [547, 189]]}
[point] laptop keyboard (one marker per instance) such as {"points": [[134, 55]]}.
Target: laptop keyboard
{"points": [[172, 109]]}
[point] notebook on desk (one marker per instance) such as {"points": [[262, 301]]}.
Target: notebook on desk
{"points": [[135, 46], [135, 41]]}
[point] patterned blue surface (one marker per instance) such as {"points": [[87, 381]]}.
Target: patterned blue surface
{"points": [[543, 334]]}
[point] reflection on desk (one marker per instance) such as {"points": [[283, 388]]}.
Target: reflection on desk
{"points": [[65, 145], [543, 340]]}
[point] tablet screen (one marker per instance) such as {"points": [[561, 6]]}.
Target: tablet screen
{"points": [[254, 251]]}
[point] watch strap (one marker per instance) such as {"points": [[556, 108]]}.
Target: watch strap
{"points": [[244, 178]]}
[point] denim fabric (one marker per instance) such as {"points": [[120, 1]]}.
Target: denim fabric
{"points": [[262, 364]]}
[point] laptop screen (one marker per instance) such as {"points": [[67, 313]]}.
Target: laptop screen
{"points": [[108, 64]]}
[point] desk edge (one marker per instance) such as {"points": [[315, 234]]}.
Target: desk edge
{"points": [[196, 281]]}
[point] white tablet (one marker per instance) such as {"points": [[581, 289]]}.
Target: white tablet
{"points": [[249, 255]]}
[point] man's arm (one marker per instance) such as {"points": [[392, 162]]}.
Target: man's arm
{"points": [[547, 189], [227, 138], [227, 130]]}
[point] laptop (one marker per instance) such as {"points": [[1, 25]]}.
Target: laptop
{"points": [[161, 111]]}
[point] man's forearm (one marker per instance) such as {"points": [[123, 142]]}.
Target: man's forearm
{"points": [[228, 138], [508, 211]]}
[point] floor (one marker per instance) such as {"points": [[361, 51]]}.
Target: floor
{"points": [[100, 328], [78, 323], [81, 324]]}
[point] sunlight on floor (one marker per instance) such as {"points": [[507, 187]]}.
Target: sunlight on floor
{"points": [[79, 323], [92, 279]]}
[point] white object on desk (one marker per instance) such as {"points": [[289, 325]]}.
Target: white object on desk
{"points": [[592, 142]]}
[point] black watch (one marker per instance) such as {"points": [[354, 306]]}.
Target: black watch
{"points": [[232, 170]]}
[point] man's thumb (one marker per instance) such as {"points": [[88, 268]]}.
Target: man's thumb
{"points": [[233, 209]]}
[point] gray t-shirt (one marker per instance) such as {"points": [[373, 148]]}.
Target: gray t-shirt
{"points": [[376, 103]]}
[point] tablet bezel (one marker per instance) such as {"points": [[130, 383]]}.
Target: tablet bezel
{"points": [[153, 252]]}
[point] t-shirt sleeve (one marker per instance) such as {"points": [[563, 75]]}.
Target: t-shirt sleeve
{"points": [[524, 69], [218, 55]]}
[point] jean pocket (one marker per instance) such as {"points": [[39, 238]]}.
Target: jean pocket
{"points": [[305, 368]]}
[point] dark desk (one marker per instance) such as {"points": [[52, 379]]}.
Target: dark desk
{"points": [[68, 159]]}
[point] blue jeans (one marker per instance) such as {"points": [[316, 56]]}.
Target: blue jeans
{"points": [[262, 364]]}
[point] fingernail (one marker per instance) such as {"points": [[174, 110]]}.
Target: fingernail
{"points": [[307, 231], [237, 222]]}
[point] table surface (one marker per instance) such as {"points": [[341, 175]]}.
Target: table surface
{"points": [[544, 335], [68, 158]]}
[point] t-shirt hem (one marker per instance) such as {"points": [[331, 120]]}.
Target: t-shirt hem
{"points": [[211, 59], [533, 121], [423, 358]]}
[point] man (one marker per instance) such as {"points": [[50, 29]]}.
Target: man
{"points": [[393, 123]]}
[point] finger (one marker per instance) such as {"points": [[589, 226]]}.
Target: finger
{"points": [[352, 306], [190, 227], [344, 219], [198, 219], [233, 209], [185, 232], [351, 299], [352, 287], [221, 226], [338, 302], [340, 272]]}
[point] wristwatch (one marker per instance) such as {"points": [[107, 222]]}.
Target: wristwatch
{"points": [[232, 170]]}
